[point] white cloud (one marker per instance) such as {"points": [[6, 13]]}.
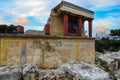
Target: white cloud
{"points": [[21, 21], [104, 3], [114, 14], [1, 22], [32, 7], [4, 23], [39, 9], [96, 4], [1, 17], [103, 23], [102, 26]]}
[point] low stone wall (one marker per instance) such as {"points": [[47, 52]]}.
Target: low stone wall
{"points": [[46, 51]]}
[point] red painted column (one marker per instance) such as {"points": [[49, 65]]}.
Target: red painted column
{"points": [[90, 28], [20, 29], [80, 27], [47, 29], [65, 24]]}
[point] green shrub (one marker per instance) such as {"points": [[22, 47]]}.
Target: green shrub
{"points": [[8, 29], [108, 45]]}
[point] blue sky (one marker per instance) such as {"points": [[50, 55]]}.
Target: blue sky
{"points": [[33, 14]]}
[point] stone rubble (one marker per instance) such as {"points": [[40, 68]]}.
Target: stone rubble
{"points": [[10, 73], [110, 62], [109, 57], [84, 71], [117, 73], [69, 71], [30, 71]]}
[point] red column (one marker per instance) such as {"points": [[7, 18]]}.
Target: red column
{"points": [[20, 29], [90, 28], [80, 27], [65, 24], [47, 29]]}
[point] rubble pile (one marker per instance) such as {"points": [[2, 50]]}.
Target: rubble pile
{"points": [[10, 73], [109, 57], [84, 71], [117, 74], [30, 72], [110, 61], [69, 71]]}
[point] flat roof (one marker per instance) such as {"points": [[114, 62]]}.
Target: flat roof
{"points": [[73, 9], [65, 2]]}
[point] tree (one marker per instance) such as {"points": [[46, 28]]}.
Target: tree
{"points": [[109, 45], [12, 29], [115, 32], [3, 28], [8, 29]]}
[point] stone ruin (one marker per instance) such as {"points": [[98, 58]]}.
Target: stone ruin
{"points": [[110, 62], [69, 71]]}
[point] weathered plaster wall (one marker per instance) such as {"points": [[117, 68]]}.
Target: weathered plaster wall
{"points": [[87, 49], [47, 53], [56, 24]]}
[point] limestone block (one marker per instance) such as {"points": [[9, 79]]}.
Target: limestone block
{"points": [[56, 25], [10, 73], [30, 72]]}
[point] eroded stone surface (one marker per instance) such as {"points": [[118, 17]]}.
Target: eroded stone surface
{"points": [[110, 61], [69, 71], [84, 71], [10, 73]]}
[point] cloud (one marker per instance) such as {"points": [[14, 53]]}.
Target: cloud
{"points": [[101, 29], [101, 26], [39, 9], [1, 22], [114, 14], [4, 23], [31, 7], [21, 21], [96, 5], [1, 17], [104, 3]]}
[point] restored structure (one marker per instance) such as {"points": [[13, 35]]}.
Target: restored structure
{"points": [[46, 51], [68, 19], [53, 48]]}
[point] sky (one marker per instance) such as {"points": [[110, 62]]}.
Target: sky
{"points": [[33, 14]]}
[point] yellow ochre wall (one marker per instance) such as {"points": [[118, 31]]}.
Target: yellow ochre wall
{"points": [[47, 53]]}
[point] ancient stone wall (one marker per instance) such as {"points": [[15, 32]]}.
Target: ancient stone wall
{"points": [[56, 24], [87, 49], [47, 53]]}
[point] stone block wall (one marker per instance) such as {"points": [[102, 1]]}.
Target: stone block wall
{"points": [[46, 52], [56, 24]]}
